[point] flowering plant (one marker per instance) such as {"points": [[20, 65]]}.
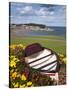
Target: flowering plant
{"points": [[21, 75]]}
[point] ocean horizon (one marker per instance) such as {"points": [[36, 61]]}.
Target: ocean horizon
{"points": [[58, 31]]}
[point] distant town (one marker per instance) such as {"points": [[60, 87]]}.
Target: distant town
{"points": [[30, 26]]}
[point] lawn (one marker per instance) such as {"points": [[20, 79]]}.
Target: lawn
{"points": [[56, 43]]}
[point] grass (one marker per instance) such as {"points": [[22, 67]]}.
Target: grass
{"points": [[56, 43], [50, 37]]}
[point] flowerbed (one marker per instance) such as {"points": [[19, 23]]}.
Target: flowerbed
{"points": [[21, 75]]}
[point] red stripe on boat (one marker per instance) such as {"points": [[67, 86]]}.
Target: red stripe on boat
{"points": [[50, 74]]}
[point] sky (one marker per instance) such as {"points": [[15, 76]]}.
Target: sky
{"points": [[47, 14]]}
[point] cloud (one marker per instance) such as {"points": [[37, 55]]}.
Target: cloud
{"points": [[46, 14], [31, 10], [52, 13], [42, 12], [26, 9]]}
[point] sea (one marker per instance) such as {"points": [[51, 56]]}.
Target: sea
{"points": [[57, 31]]}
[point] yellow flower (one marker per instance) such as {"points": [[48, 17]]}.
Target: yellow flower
{"points": [[12, 46], [15, 59], [61, 55], [11, 72], [18, 75], [23, 77], [11, 57], [16, 85], [12, 64], [14, 75], [22, 86], [20, 45], [64, 59], [29, 83]]}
